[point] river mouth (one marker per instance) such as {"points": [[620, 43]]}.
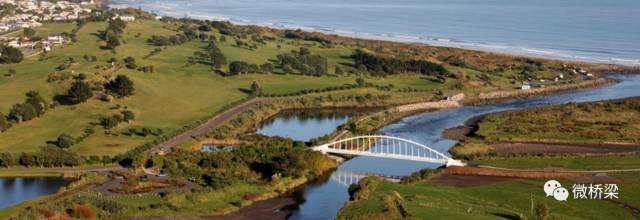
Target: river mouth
{"points": [[15, 190]]}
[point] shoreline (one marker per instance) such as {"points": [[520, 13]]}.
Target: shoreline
{"points": [[511, 50]]}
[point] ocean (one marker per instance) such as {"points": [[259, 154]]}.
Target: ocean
{"points": [[603, 31]]}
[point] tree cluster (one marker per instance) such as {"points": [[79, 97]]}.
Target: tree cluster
{"points": [[113, 120], [10, 54], [120, 87], [35, 106], [299, 34], [49, 156], [168, 41], [264, 161], [111, 35], [210, 55], [240, 67], [383, 65], [303, 62]]}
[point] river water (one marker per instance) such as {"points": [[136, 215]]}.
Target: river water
{"points": [[19, 189], [591, 30], [323, 199]]}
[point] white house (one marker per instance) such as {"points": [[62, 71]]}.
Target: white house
{"points": [[127, 18], [525, 86]]}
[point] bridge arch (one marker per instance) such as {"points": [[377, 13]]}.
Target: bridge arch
{"points": [[387, 147]]}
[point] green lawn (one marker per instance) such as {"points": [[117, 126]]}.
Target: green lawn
{"points": [[567, 162]]}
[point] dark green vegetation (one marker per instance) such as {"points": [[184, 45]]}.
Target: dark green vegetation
{"points": [[513, 199], [221, 182], [10, 54]]}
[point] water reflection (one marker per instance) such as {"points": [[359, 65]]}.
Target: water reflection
{"points": [[304, 125], [16, 190]]}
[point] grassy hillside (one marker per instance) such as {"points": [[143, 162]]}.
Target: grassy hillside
{"points": [[181, 92]]}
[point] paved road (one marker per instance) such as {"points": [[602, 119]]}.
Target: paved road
{"points": [[66, 171], [207, 126]]}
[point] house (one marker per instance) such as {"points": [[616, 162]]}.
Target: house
{"points": [[57, 39], [525, 86], [127, 18]]}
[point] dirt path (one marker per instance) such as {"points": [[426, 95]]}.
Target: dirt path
{"points": [[207, 126]]}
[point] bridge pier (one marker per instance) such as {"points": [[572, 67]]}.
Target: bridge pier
{"points": [[456, 163]]}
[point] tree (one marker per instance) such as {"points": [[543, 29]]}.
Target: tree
{"points": [[120, 87], [4, 123], [10, 54], [130, 63], [128, 115], [22, 112], [304, 51], [34, 99], [266, 67], [541, 211], [256, 89], [79, 92], [338, 71], [28, 32], [65, 141], [212, 55], [112, 41]]}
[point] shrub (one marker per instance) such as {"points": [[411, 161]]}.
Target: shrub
{"points": [[65, 141], [79, 92], [120, 87]]}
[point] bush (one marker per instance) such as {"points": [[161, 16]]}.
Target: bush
{"points": [[128, 115], [10, 54], [120, 87], [65, 141], [79, 92]]}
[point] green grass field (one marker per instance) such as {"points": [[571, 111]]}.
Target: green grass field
{"points": [[614, 122], [503, 200], [178, 94]]}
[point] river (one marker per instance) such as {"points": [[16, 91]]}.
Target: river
{"points": [[323, 199], [15, 190]]}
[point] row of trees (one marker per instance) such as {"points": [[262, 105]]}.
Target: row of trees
{"points": [[239, 67], [384, 65], [114, 120], [168, 41], [50, 156]]}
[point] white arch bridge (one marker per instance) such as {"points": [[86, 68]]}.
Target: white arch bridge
{"points": [[387, 147]]}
